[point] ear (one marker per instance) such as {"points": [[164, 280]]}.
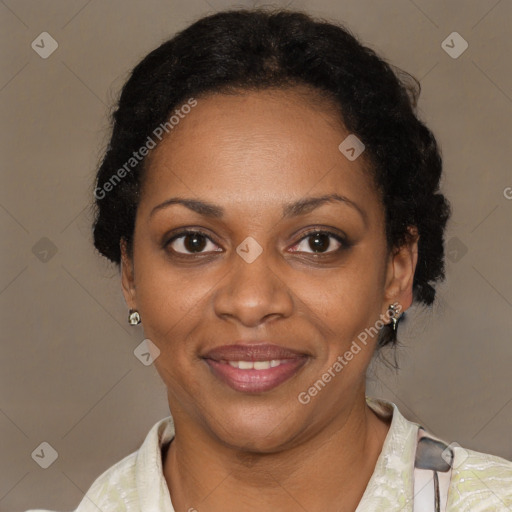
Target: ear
{"points": [[400, 272], [127, 276]]}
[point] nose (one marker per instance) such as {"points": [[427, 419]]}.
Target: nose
{"points": [[253, 293]]}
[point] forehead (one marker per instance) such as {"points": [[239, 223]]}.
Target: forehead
{"points": [[259, 148]]}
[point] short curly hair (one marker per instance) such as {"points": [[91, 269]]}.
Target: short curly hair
{"points": [[255, 49]]}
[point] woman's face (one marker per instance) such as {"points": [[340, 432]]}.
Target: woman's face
{"points": [[257, 273]]}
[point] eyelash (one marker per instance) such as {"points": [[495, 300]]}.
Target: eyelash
{"points": [[344, 243]]}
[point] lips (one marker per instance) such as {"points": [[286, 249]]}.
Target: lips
{"points": [[254, 367], [252, 352]]}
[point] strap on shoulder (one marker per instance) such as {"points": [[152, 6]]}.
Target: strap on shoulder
{"points": [[432, 473]]}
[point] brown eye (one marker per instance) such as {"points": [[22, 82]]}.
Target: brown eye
{"points": [[191, 242], [318, 242]]}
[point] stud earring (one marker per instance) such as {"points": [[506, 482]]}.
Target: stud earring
{"points": [[133, 317], [395, 316]]}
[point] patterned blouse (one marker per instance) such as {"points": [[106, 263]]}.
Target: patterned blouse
{"points": [[403, 479]]}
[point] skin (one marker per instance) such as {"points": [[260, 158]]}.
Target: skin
{"points": [[249, 154]]}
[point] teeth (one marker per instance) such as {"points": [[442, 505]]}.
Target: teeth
{"points": [[261, 365], [255, 365]]}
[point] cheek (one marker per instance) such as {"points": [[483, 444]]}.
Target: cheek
{"points": [[172, 305], [345, 298], [167, 295], [344, 305]]}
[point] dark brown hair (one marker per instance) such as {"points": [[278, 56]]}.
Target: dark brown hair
{"points": [[255, 49]]}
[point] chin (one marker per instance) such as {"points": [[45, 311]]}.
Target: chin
{"points": [[264, 432]]}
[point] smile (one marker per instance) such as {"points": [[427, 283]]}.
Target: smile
{"points": [[255, 376]]}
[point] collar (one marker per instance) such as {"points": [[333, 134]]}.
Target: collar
{"points": [[391, 485]]}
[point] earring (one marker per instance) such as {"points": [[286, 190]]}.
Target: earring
{"points": [[395, 316], [133, 317]]}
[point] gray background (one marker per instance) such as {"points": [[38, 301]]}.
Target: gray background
{"points": [[68, 373]]}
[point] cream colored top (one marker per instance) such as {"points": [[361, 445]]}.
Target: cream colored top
{"points": [[479, 483]]}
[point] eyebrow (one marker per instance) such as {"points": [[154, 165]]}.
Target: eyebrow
{"points": [[300, 207]]}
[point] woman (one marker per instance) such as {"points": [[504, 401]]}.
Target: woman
{"points": [[273, 203]]}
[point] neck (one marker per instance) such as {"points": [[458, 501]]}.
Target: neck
{"points": [[329, 471]]}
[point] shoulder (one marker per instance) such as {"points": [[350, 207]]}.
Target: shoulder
{"points": [[136, 480], [112, 491], [480, 481]]}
